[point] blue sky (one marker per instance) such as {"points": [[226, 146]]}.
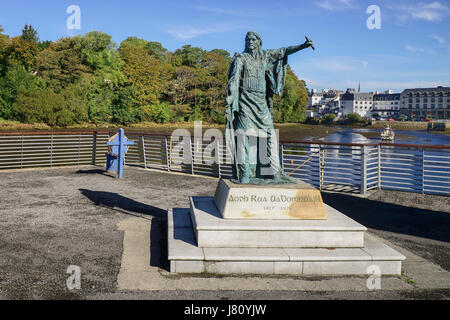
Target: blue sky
{"points": [[412, 48]]}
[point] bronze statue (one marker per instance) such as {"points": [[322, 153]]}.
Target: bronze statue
{"points": [[254, 77]]}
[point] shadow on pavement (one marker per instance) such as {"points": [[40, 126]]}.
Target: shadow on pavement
{"points": [[96, 171], [392, 217], [158, 232]]}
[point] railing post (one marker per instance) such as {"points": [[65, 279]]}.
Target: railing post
{"points": [[21, 153], [219, 156], [363, 171], [94, 148], [282, 156], [79, 147], [423, 171], [143, 151], [168, 154], [192, 156], [320, 167], [379, 166], [51, 150]]}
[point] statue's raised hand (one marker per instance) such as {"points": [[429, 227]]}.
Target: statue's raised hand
{"points": [[309, 43]]}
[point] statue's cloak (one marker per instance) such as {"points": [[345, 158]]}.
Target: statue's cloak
{"points": [[251, 101]]}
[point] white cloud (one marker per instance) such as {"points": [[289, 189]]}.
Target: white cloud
{"points": [[438, 38], [419, 50], [432, 12], [188, 32], [336, 5]]}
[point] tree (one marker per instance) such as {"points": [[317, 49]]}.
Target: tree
{"points": [[181, 84], [4, 43], [21, 52], [354, 118], [15, 78], [61, 64], [329, 118], [213, 83], [125, 111], [157, 50], [223, 53], [41, 105], [188, 56], [144, 72], [30, 34], [291, 106], [100, 54]]}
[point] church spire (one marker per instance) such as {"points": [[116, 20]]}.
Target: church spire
{"points": [[359, 87]]}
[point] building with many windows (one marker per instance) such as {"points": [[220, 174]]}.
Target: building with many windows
{"points": [[386, 105], [421, 103], [322, 103], [357, 102]]}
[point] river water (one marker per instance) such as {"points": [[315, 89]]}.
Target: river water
{"points": [[360, 135]]}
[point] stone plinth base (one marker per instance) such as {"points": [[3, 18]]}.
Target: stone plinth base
{"points": [[186, 256], [299, 201]]}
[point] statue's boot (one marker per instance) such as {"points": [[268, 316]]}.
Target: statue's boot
{"points": [[245, 179]]}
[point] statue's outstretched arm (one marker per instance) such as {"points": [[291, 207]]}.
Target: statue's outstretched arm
{"points": [[293, 49]]}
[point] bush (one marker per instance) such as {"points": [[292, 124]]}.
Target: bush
{"points": [[354, 118], [329, 118], [159, 113], [311, 120]]}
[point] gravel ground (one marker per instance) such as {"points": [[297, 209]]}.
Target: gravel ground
{"points": [[51, 219]]}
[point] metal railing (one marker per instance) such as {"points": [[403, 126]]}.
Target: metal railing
{"points": [[51, 149], [345, 167]]}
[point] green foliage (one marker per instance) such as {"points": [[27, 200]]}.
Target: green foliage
{"points": [[291, 106], [87, 78], [354, 118], [42, 105], [329, 118], [61, 64], [314, 121], [15, 78], [30, 34], [159, 113]]}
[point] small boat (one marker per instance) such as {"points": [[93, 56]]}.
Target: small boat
{"points": [[388, 134]]}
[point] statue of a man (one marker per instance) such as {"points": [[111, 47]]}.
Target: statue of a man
{"points": [[254, 77]]}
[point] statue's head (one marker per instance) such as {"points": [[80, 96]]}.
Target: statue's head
{"points": [[253, 41]]}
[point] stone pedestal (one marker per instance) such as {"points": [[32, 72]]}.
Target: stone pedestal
{"points": [[299, 201], [216, 236]]}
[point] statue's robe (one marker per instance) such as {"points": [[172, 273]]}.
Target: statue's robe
{"points": [[251, 85]]}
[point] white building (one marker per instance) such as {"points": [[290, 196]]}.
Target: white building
{"points": [[322, 103], [386, 105], [426, 103], [315, 98], [357, 102]]}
